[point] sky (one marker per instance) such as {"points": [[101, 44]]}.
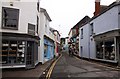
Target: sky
{"points": [[67, 13]]}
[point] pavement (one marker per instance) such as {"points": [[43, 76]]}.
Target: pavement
{"points": [[23, 73]]}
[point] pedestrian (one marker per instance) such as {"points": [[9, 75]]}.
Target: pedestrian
{"points": [[70, 50]]}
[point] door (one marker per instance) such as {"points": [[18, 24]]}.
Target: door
{"points": [[119, 56], [30, 55]]}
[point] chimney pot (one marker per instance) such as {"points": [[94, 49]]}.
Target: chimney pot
{"points": [[117, 0], [97, 0], [97, 7]]}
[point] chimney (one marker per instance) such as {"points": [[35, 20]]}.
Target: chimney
{"points": [[117, 0], [97, 7]]}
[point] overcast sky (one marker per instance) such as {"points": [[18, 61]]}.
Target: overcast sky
{"points": [[66, 13]]}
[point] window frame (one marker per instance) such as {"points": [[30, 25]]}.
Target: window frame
{"points": [[3, 18], [37, 24], [31, 31], [82, 33], [91, 29]]}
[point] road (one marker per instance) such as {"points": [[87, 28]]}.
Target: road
{"points": [[72, 67]]}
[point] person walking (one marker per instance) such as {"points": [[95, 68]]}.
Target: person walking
{"points": [[70, 50]]}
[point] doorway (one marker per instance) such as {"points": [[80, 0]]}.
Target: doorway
{"points": [[30, 55]]}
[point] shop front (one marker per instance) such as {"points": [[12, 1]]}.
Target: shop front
{"points": [[19, 50], [48, 49], [107, 47]]}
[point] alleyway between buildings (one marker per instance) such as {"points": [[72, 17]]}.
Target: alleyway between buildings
{"points": [[72, 67]]}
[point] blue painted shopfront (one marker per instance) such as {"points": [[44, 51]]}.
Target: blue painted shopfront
{"points": [[48, 49]]}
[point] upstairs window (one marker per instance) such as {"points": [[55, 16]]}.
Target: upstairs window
{"points": [[37, 23], [45, 28], [10, 18], [91, 29], [31, 29], [81, 33], [38, 5]]}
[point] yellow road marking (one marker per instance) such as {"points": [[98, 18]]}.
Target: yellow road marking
{"points": [[51, 68], [100, 65]]}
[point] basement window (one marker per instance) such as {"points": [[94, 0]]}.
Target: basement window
{"points": [[10, 18]]}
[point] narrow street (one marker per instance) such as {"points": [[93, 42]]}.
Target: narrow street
{"points": [[72, 67], [36, 36]]}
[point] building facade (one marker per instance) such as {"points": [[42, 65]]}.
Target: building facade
{"points": [[100, 36], [19, 29], [46, 47], [75, 34], [57, 42]]}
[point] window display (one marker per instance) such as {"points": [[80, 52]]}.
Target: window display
{"points": [[109, 50], [105, 49], [99, 49], [13, 52]]}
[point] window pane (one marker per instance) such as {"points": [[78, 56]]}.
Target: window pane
{"points": [[10, 18], [31, 29]]}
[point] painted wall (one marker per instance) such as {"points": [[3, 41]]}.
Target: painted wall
{"points": [[28, 14], [92, 48], [119, 16], [57, 37], [106, 22], [44, 30], [41, 35], [85, 41], [57, 43]]}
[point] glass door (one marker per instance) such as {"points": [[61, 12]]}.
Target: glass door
{"points": [[30, 55]]}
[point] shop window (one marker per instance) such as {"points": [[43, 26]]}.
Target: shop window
{"points": [[4, 54], [13, 52], [109, 50], [99, 49], [105, 49], [21, 52], [45, 50], [10, 18]]}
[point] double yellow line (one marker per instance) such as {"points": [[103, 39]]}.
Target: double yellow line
{"points": [[106, 66], [51, 68]]}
